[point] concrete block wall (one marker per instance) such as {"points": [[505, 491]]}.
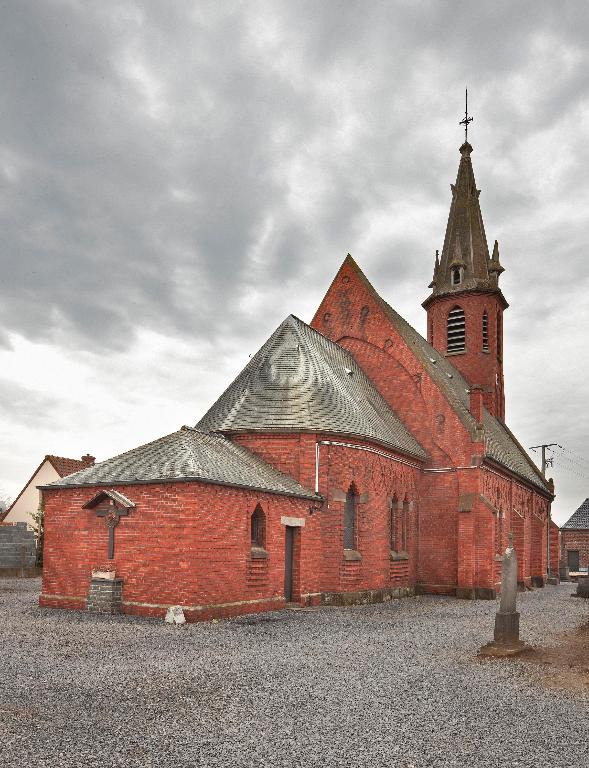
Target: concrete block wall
{"points": [[18, 550]]}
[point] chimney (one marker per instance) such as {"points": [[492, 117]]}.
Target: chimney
{"points": [[477, 395], [88, 460]]}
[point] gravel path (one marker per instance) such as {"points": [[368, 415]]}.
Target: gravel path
{"points": [[388, 685]]}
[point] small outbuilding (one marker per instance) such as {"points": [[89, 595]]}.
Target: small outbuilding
{"points": [[575, 540]]}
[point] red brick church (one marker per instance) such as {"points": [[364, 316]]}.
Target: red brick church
{"points": [[351, 460]]}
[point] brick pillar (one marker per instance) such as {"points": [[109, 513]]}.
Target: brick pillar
{"points": [[465, 577]]}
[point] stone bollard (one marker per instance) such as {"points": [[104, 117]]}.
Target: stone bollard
{"points": [[582, 587], [506, 640]]}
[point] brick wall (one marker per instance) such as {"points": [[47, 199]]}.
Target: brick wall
{"points": [[455, 549], [476, 365], [378, 481], [183, 543]]}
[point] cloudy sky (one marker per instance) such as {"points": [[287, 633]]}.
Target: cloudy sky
{"points": [[175, 178]]}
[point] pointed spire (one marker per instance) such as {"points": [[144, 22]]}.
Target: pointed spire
{"points": [[465, 263]]}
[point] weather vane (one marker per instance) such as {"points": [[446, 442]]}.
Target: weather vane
{"points": [[467, 119]]}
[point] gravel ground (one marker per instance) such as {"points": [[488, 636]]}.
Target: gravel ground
{"points": [[396, 684]]}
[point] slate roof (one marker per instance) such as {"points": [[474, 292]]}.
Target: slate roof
{"points": [[187, 455], [500, 444], [301, 381], [579, 521]]}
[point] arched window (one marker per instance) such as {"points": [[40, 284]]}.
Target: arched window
{"points": [[456, 276], [350, 518], [456, 330], [258, 528], [485, 331]]}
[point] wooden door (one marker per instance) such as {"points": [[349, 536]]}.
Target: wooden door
{"points": [[288, 562], [573, 560]]}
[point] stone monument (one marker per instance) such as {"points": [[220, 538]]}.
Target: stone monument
{"points": [[506, 640]]}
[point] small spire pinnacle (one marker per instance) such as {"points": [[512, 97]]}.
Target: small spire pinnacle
{"points": [[436, 268], [495, 268], [466, 120]]}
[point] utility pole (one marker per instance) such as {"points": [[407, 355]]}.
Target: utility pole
{"points": [[545, 462]]}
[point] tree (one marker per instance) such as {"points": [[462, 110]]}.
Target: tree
{"points": [[5, 502], [39, 528]]}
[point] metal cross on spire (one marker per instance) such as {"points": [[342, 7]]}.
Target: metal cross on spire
{"points": [[467, 120]]}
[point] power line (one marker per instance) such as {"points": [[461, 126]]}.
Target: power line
{"points": [[574, 457], [571, 471]]}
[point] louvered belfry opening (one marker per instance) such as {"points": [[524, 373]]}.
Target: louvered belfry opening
{"points": [[485, 331], [456, 330]]}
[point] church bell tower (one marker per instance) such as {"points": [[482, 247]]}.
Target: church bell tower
{"points": [[465, 307]]}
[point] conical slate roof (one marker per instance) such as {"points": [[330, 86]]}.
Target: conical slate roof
{"points": [[301, 381], [188, 455], [579, 521], [465, 243]]}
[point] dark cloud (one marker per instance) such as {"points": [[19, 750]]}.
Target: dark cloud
{"points": [[200, 170]]}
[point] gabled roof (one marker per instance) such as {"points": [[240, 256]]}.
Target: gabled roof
{"points": [[111, 494], [187, 455], [60, 464], [500, 444], [301, 381], [579, 521]]}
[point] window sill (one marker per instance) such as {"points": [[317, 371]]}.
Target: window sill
{"points": [[457, 352], [399, 555], [258, 553], [352, 554]]}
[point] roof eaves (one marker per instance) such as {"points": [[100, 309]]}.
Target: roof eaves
{"points": [[57, 486], [524, 453], [525, 480]]}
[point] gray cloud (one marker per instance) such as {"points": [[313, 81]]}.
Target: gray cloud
{"points": [[201, 170]]}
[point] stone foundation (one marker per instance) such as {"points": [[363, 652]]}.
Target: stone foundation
{"points": [[475, 593], [105, 596], [365, 596]]}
